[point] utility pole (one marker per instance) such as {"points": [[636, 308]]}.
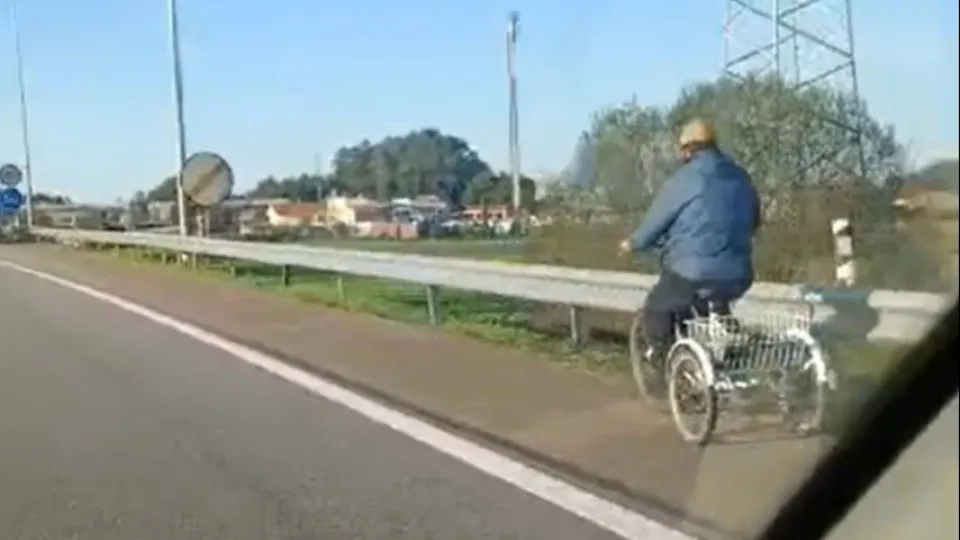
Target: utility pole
{"points": [[514, 113], [24, 115], [318, 174], [174, 29]]}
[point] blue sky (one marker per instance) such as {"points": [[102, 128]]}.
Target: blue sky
{"points": [[273, 84]]}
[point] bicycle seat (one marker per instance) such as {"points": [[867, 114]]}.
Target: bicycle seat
{"points": [[711, 299]]}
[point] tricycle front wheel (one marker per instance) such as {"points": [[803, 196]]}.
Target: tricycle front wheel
{"points": [[693, 399]]}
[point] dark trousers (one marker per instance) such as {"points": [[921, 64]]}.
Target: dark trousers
{"points": [[674, 298]]}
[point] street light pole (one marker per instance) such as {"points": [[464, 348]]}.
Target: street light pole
{"points": [[178, 104], [24, 116], [514, 113]]}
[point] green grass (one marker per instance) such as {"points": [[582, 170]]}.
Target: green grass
{"points": [[515, 323], [500, 320]]}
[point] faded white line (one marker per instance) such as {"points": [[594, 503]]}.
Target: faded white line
{"points": [[596, 510]]}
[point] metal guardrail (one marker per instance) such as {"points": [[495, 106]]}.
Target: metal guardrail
{"points": [[880, 315]]}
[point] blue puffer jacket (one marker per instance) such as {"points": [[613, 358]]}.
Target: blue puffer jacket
{"points": [[703, 220]]}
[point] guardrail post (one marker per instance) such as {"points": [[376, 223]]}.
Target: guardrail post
{"points": [[341, 291], [285, 275], [433, 306], [576, 325]]}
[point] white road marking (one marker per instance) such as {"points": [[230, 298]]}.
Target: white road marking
{"points": [[603, 513]]}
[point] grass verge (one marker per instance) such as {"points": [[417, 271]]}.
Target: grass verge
{"points": [[500, 320]]}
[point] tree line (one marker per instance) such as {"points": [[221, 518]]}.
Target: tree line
{"points": [[423, 162]]}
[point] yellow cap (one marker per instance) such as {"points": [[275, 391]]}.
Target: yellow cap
{"points": [[697, 131]]}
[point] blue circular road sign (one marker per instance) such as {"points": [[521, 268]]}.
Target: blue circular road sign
{"points": [[10, 199]]}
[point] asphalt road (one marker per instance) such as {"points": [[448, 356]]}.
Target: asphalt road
{"points": [[113, 427]]}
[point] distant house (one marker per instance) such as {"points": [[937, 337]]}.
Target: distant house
{"points": [[74, 216], [356, 211], [252, 220], [241, 215], [291, 214], [493, 212], [162, 213], [225, 217], [388, 230]]}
